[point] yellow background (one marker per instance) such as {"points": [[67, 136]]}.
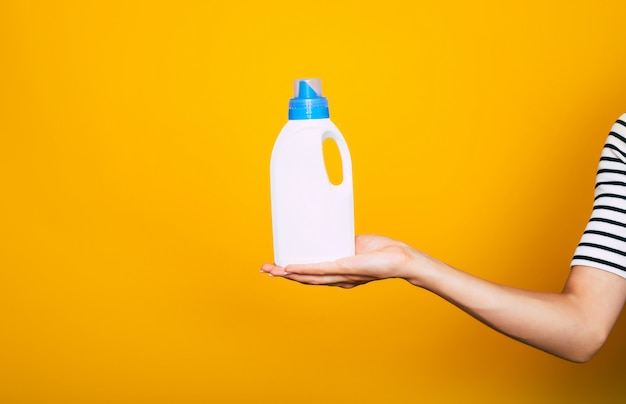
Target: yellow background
{"points": [[134, 170]]}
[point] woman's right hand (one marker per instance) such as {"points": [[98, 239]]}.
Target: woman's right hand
{"points": [[375, 258]]}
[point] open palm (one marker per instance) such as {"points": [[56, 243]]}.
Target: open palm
{"points": [[376, 257]]}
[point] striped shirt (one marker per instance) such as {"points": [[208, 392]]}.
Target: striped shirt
{"points": [[603, 244]]}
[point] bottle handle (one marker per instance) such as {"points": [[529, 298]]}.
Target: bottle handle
{"points": [[346, 161]]}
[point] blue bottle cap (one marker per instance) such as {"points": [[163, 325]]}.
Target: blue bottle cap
{"points": [[308, 102]]}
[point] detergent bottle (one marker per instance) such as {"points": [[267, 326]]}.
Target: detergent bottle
{"points": [[312, 218]]}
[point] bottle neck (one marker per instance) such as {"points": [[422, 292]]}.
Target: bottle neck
{"points": [[308, 108]]}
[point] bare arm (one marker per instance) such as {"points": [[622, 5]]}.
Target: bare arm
{"points": [[572, 324]]}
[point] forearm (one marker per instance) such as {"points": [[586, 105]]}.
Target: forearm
{"points": [[572, 324], [557, 323]]}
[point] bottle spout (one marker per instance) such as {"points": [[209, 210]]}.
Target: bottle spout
{"points": [[308, 102], [307, 88]]}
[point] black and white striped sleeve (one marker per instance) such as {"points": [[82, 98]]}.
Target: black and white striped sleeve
{"points": [[603, 244]]}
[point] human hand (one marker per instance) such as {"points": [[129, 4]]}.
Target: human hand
{"points": [[375, 258]]}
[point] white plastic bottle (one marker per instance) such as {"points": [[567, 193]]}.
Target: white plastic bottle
{"points": [[312, 219]]}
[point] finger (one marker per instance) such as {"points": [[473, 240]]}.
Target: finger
{"points": [[319, 268], [329, 280], [368, 242], [273, 270], [365, 243], [267, 267], [356, 265]]}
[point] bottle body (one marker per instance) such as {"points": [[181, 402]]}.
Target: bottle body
{"points": [[312, 219]]}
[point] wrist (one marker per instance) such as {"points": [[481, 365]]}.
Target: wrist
{"points": [[421, 269]]}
